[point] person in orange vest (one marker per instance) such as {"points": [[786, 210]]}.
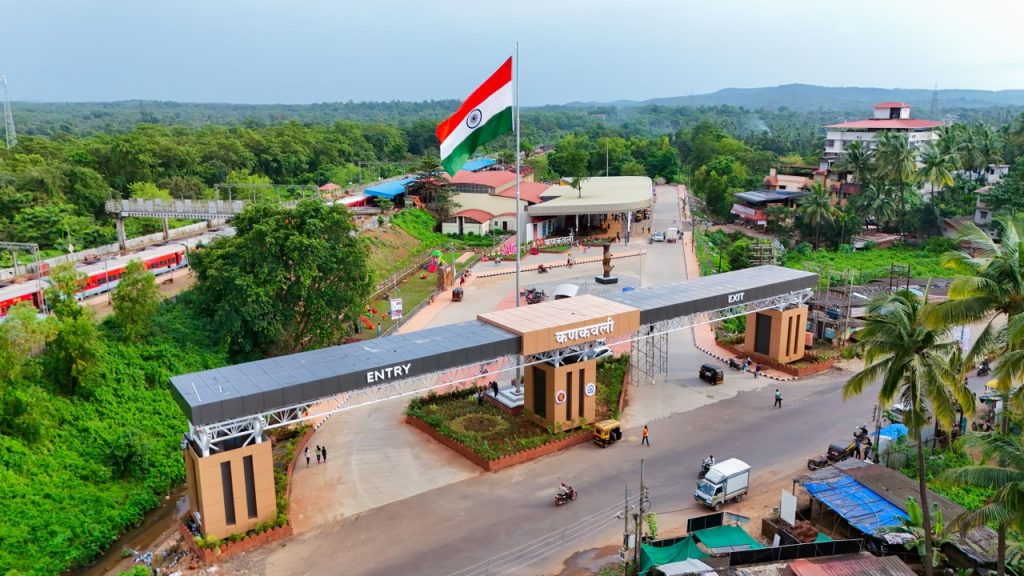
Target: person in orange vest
{"points": [[646, 441]]}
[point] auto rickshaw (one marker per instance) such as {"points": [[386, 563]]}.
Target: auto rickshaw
{"points": [[607, 432], [712, 374], [457, 295]]}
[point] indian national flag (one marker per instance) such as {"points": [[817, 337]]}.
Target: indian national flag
{"points": [[484, 116]]}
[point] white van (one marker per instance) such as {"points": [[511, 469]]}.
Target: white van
{"points": [[672, 234]]}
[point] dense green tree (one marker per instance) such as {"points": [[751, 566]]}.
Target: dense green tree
{"points": [[74, 351], [285, 280], [1008, 194], [717, 181], [65, 282], [571, 159], [433, 187], [22, 334], [911, 359], [135, 300], [148, 191]]}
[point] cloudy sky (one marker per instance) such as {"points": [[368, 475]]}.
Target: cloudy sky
{"points": [[302, 51]]}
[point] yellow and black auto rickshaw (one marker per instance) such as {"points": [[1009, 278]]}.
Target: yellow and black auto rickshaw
{"points": [[607, 432]]}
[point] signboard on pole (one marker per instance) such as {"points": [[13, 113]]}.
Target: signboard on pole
{"points": [[396, 308]]}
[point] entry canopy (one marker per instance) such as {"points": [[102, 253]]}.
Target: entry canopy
{"points": [[609, 195], [258, 387]]}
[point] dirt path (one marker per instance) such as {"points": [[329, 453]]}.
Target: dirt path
{"points": [[168, 285]]}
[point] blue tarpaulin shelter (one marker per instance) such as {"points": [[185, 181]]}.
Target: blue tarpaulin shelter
{"points": [[388, 189], [893, 431], [862, 508]]}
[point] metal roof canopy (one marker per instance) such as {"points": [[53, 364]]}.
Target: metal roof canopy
{"points": [[258, 387], [668, 301]]}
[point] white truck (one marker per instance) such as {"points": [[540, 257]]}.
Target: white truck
{"points": [[726, 481], [672, 234]]}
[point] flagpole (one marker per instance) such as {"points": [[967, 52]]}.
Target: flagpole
{"points": [[519, 220]]}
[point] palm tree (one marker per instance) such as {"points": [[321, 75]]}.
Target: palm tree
{"points": [[911, 360], [1000, 468], [816, 209], [876, 204], [935, 167], [897, 165], [989, 282], [859, 161], [989, 148]]}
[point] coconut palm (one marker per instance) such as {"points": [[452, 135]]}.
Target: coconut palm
{"points": [[935, 166], [859, 161], [1000, 468], [913, 525], [989, 284], [876, 204], [816, 209], [897, 166], [910, 358]]}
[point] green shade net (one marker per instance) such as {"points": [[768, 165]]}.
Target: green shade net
{"points": [[685, 549], [726, 537], [822, 538]]}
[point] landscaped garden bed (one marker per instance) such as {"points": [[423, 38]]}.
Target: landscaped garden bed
{"points": [[494, 439]]}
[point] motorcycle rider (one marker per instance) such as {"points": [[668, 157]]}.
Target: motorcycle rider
{"points": [[565, 491], [709, 461], [541, 268], [985, 368]]}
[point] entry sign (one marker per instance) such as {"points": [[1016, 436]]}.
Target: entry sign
{"points": [[396, 308]]}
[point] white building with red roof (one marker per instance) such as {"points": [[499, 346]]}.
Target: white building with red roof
{"points": [[888, 117]]}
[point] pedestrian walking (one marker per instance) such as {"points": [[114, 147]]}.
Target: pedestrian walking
{"points": [[379, 329], [646, 441], [323, 451], [778, 399], [757, 370], [306, 451], [462, 280], [317, 453], [480, 397]]}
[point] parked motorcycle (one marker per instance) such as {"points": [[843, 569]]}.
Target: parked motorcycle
{"points": [[533, 295], [566, 497]]}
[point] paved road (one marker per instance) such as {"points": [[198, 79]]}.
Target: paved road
{"points": [[448, 529], [451, 529]]}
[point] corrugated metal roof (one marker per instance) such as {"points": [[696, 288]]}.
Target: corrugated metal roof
{"points": [[862, 564], [478, 164], [388, 189]]}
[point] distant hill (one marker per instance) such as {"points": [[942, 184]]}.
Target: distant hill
{"points": [[806, 97]]}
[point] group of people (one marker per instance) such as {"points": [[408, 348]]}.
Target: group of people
{"points": [[321, 452]]}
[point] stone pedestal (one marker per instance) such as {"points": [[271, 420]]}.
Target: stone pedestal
{"points": [[608, 280]]}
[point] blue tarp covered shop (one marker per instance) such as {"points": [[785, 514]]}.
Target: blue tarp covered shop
{"points": [[861, 507], [389, 190]]}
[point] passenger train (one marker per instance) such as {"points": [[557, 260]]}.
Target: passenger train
{"points": [[104, 275]]}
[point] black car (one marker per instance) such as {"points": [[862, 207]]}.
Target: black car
{"points": [[712, 374]]}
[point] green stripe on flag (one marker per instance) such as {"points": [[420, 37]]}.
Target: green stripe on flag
{"points": [[496, 126]]}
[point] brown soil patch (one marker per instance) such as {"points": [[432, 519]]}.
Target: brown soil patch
{"points": [[390, 248]]}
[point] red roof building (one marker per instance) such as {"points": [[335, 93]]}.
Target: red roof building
{"points": [[888, 117]]}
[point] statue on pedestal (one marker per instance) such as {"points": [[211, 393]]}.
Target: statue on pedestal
{"points": [[607, 260]]}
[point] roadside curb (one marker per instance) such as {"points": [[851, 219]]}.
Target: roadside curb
{"points": [[726, 360], [533, 268]]}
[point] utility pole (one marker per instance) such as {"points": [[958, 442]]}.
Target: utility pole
{"points": [[640, 511], [606, 159], [625, 531]]}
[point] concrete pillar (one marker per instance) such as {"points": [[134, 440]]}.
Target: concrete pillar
{"points": [[122, 242], [167, 230], [232, 491]]}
